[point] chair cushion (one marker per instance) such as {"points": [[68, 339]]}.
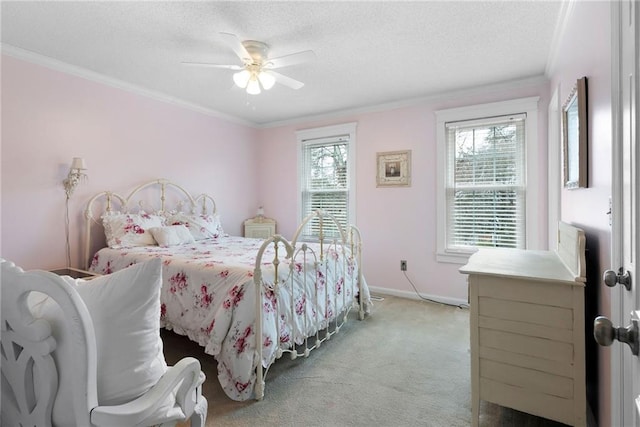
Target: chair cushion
{"points": [[125, 310]]}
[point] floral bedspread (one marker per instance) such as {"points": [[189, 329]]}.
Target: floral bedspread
{"points": [[209, 295]]}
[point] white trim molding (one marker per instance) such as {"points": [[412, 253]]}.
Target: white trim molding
{"points": [[505, 86], [529, 106], [328, 132], [616, 370], [554, 169], [84, 73], [63, 67], [414, 296], [566, 9]]}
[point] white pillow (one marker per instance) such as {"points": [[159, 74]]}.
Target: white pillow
{"points": [[171, 235], [127, 230], [200, 226], [125, 309]]}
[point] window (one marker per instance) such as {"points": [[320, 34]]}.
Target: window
{"points": [[326, 172], [487, 178], [485, 183]]}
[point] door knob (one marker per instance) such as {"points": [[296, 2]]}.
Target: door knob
{"points": [[605, 333], [611, 278]]}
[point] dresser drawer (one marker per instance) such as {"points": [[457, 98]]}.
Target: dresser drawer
{"points": [[536, 314], [530, 379], [523, 290]]}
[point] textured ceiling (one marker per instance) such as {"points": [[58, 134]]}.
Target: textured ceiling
{"points": [[367, 53]]}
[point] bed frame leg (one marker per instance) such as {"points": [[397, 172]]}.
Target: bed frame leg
{"points": [[259, 390]]}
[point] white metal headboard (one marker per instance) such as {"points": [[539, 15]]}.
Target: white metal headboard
{"points": [[150, 197]]}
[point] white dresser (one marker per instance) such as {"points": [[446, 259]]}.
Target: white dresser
{"points": [[259, 227], [527, 329]]}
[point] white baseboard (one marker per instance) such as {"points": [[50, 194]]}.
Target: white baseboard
{"points": [[412, 295]]}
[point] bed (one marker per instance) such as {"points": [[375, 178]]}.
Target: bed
{"points": [[221, 291]]}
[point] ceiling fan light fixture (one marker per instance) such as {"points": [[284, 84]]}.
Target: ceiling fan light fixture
{"points": [[266, 80], [253, 87], [255, 75], [241, 78]]}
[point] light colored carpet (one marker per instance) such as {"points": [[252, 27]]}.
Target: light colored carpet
{"points": [[407, 364]]}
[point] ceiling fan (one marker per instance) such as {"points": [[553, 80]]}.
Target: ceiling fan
{"points": [[256, 71]]}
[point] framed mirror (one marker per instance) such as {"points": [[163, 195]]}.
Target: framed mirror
{"points": [[574, 137]]}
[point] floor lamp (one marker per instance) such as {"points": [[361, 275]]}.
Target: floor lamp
{"points": [[76, 174]]}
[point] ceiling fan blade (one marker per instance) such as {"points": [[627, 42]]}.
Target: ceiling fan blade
{"points": [[292, 59], [236, 44], [206, 64], [286, 81]]}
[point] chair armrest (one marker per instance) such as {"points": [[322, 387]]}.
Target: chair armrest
{"points": [[186, 374]]}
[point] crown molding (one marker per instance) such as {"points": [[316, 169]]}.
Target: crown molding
{"points": [[411, 102], [84, 73], [54, 64], [566, 9]]}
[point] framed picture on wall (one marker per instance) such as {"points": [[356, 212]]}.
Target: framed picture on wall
{"points": [[394, 168], [574, 137]]}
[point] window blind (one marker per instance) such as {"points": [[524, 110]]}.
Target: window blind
{"points": [[325, 182], [485, 185]]}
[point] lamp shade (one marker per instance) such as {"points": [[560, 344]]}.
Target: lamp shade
{"points": [[253, 88], [241, 78], [266, 80], [78, 163]]}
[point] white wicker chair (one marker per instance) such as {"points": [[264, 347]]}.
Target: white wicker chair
{"points": [[30, 374]]}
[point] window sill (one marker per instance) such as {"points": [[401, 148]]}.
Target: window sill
{"points": [[451, 257]]}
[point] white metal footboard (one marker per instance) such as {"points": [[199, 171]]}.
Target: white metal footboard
{"points": [[322, 265]]}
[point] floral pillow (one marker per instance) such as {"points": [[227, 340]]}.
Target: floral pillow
{"points": [[200, 226], [127, 230]]}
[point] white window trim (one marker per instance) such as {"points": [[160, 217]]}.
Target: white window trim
{"points": [[554, 168], [327, 132], [494, 109]]}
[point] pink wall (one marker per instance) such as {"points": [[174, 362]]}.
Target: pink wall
{"points": [[585, 50], [48, 117], [396, 223]]}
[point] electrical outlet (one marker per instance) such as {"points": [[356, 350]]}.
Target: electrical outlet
{"points": [[403, 265]]}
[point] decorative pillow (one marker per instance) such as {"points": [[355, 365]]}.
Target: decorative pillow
{"points": [[200, 226], [171, 235], [126, 230], [125, 309]]}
